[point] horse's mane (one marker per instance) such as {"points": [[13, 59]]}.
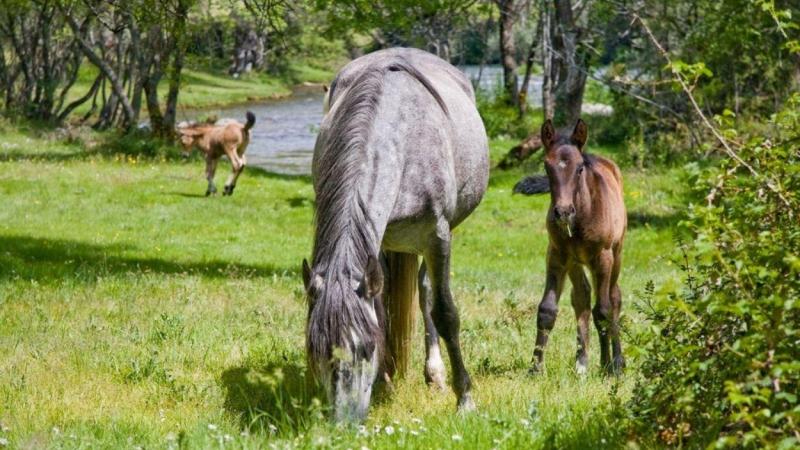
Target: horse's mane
{"points": [[345, 236]]}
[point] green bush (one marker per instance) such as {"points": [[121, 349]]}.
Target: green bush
{"points": [[722, 362], [502, 119]]}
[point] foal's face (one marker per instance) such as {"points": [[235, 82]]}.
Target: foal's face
{"points": [[188, 140], [343, 337], [564, 163]]}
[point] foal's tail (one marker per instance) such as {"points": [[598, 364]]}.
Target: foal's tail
{"points": [[532, 185], [251, 120], [401, 285]]}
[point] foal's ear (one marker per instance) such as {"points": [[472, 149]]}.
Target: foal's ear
{"points": [[306, 274], [579, 134], [548, 134], [373, 278]]}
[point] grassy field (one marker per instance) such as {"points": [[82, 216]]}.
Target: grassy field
{"points": [[134, 312]]}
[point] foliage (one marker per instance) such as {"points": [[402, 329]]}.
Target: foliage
{"points": [[751, 71], [722, 361], [502, 119]]}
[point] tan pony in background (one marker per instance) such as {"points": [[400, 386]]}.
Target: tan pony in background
{"points": [[226, 137]]}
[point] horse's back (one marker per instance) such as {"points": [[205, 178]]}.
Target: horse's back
{"points": [[427, 140], [615, 204]]}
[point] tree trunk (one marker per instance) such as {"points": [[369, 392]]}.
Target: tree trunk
{"points": [[178, 53], [523, 89], [105, 68], [573, 70], [508, 16], [548, 105]]}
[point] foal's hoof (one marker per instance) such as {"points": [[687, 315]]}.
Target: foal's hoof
{"points": [[466, 405], [228, 190], [581, 369], [209, 192]]}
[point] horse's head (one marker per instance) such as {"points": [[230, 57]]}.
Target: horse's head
{"points": [[189, 137], [344, 336], [564, 162]]}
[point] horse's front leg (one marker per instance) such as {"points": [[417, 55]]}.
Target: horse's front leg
{"points": [[445, 314], [211, 169], [582, 304], [548, 307], [435, 374]]}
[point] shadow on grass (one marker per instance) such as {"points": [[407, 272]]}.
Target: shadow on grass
{"points": [[55, 259], [262, 172], [639, 219], [273, 398]]}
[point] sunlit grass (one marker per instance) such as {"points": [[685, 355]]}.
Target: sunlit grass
{"points": [[136, 312]]}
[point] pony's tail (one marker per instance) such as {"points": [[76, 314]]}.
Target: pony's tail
{"points": [[532, 185], [398, 302], [251, 120]]}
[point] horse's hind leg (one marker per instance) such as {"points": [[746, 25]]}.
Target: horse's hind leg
{"points": [[434, 367], [237, 166], [582, 304], [615, 295], [603, 309], [548, 307], [445, 314]]}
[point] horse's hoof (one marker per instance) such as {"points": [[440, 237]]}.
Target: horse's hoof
{"points": [[536, 369], [580, 369], [466, 405], [436, 375], [208, 193]]}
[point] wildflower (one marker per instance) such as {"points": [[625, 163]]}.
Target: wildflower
{"points": [[389, 429], [212, 427], [3, 442], [457, 437]]}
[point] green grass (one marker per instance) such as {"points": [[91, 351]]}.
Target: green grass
{"points": [[135, 312]]}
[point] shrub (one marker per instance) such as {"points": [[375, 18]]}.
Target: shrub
{"points": [[723, 358]]}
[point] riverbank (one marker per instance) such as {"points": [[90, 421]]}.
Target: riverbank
{"points": [[136, 312]]}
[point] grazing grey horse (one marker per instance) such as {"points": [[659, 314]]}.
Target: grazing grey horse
{"points": [[401, 159]]}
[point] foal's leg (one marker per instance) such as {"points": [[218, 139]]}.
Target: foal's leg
{"points": [[434, 367], [445, 313], [548, 307], [582, 304], [237, 165], [603, 310], [211, 169], [618, 362]]}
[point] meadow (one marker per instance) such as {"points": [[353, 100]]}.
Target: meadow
{"points": [[137, 313]]}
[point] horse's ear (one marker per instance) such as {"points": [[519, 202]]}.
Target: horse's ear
{"points": [[325, 87], [548, 134], [373, 278], [579, 134], [306, 274]]}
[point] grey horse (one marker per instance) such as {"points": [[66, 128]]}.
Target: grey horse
{"points": [[400, 160]]}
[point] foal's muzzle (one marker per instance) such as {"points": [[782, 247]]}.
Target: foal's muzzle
{"points": [[564, 213]]}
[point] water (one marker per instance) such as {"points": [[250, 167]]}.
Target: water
{"points": [[285, 130]]}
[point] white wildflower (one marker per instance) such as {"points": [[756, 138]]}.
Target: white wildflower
{"points": [[389, 429], [457, 437]]}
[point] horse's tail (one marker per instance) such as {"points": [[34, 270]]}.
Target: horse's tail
{"points": [[401, 286], [251, 120], [532, 185]]}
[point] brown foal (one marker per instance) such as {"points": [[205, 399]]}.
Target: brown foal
{"points": [[229, 138], [586, 223]]}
